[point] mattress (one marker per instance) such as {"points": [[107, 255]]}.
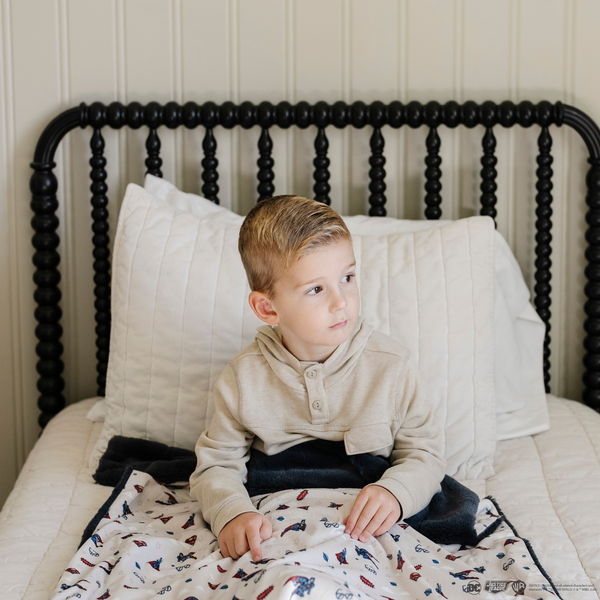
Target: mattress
{"points": [[54, 498], [548, 486]]}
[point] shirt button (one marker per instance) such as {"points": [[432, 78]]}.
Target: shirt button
{"points": [[317, 405], [311, 374]]}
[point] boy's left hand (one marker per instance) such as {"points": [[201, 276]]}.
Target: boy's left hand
{"points": [[375, 510]]}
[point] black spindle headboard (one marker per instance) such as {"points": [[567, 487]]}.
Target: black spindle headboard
{"points": [[284, 115]]}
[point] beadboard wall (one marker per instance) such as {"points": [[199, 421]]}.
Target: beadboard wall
{"points": [[55, 54]]}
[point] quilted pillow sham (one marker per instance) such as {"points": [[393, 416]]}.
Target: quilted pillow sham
{"points": [[180, 312]]}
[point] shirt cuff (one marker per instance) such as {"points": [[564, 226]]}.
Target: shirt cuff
{"points": [[401, 494], [230, 510]]}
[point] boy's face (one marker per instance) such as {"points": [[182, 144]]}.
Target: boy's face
{"points": [[316, 302]]}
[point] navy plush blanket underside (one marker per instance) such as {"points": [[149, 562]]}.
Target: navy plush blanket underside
{"points": [[448, 519]]}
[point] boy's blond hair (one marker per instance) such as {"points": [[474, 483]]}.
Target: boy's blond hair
{"points": [[279, 231]]}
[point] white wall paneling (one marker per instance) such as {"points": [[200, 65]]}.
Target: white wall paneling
{"points": [[373, 50], [583, 91], [535, 45], [319, 63], [430, 75], [58, 53], [261, 56], [11, 424], [89, 56], [33, 54], [208, 56]]}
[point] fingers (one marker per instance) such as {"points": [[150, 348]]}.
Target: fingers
{"points": [[244, 533], [266, 529], [224, 551], [371, 517], [357, 507], [253, 536], [386, 525], [241, 542], [373, 513], [367, 512]]}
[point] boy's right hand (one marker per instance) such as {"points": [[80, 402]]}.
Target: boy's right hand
{"points": [[245, 532]]}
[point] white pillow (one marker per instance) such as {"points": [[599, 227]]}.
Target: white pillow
{"points": [[180, 312], [519, 331], [521, 405]]}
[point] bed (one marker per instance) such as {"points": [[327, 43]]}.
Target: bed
{"points": [[506, 437]]}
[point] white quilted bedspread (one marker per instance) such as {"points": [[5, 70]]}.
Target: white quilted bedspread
{"points": [[547, 485]]}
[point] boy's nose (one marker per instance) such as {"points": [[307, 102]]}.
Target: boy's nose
{"points": [[338, 302]]}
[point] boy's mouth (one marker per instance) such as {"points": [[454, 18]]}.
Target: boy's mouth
{"points": [[339, 325]]}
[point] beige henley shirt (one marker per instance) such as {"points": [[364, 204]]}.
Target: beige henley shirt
{"points": [[367, 393]]}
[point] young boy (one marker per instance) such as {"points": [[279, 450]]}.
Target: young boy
{"points": [[315, 371]]}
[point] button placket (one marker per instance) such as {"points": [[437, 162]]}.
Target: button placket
{"points": [[316, 396]]}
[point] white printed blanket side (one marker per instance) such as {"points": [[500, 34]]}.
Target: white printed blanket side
{"points": [[153, 542]]}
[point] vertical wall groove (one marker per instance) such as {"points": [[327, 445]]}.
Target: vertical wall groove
{"points": [[346, 53], [15, 324], [398, 134], [457, 77], [66, 212], [449, 181], [514, 49], [290, 61], [17, 276], [571, 26], [570, 213], [234, 94], [561, 218], [403, 95], [178, 85], [121, 71], [466, 204]]}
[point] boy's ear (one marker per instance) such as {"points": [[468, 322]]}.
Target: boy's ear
{"points": [[262, 307]]}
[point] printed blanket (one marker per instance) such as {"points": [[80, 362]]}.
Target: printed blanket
{"points": [[151, 541]]}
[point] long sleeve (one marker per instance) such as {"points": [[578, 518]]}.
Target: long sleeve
{"points": [[417, 461], [222, 452]]}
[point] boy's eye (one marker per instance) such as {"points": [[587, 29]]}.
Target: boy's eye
{"points": [[348, 278], [314, 290]]}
